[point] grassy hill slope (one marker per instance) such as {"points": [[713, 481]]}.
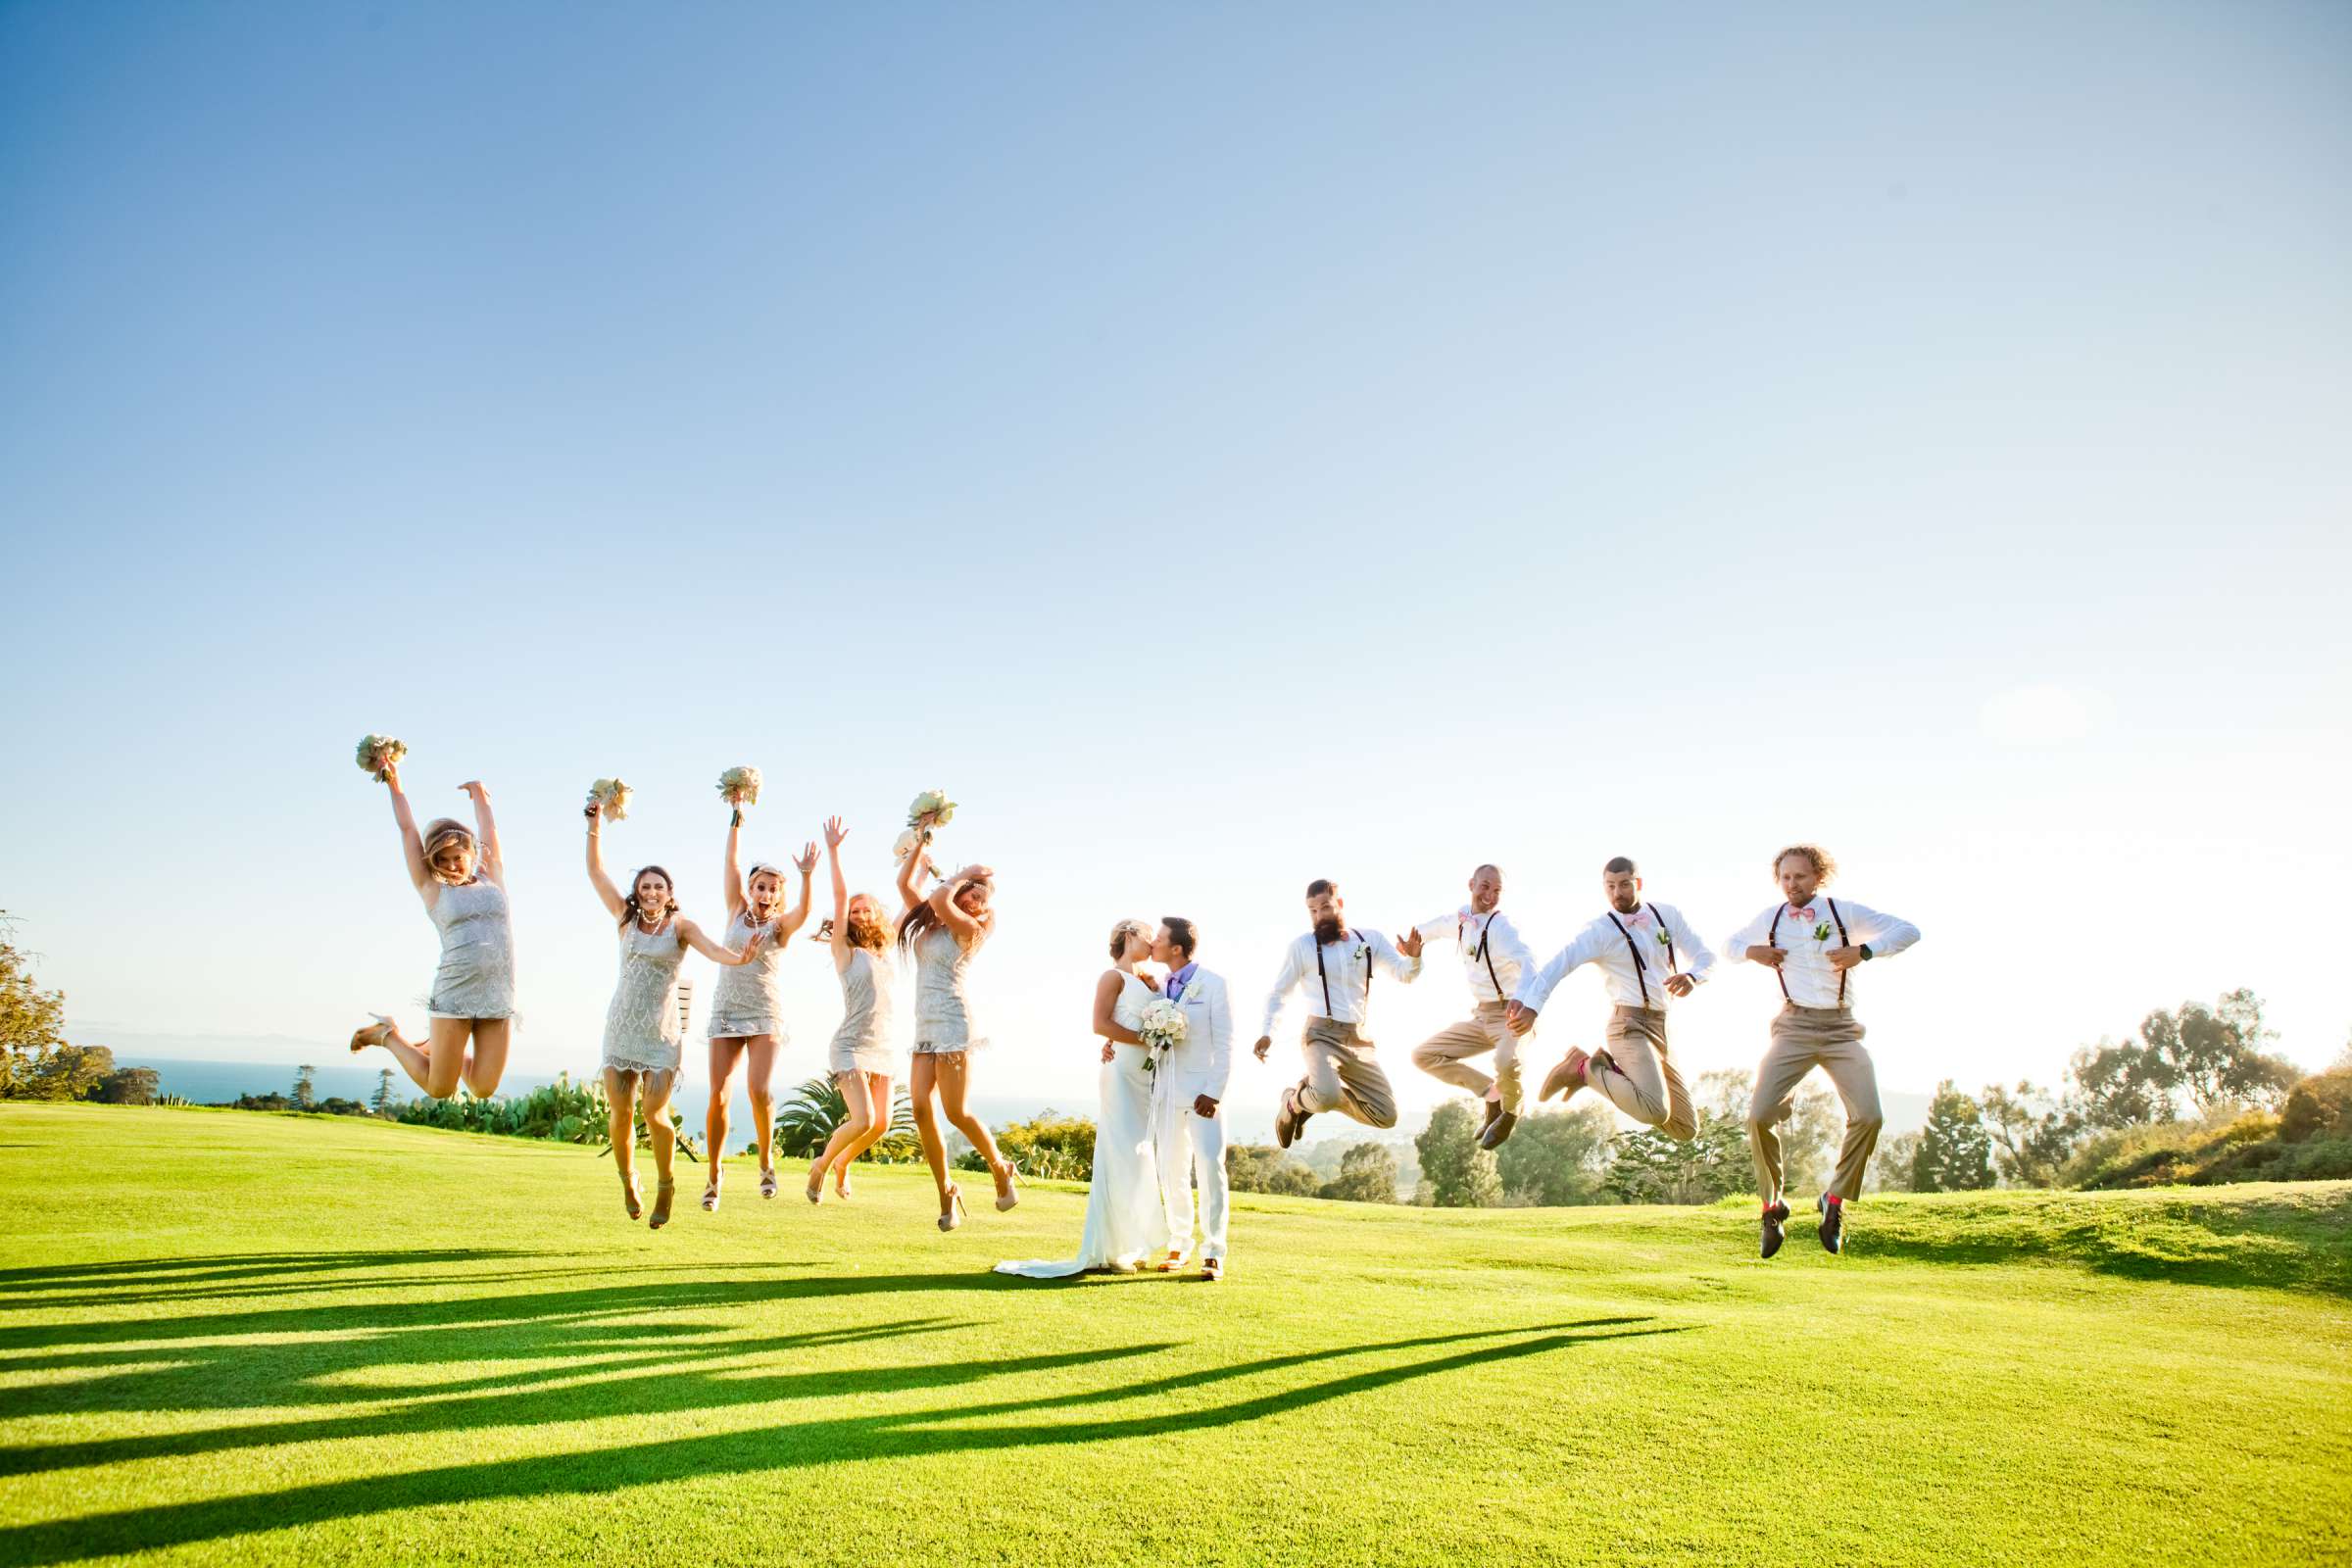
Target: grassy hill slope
{"points": [[241, 1338]]}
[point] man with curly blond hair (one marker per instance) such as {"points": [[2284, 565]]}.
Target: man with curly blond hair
{"points": [[1812, 942]]}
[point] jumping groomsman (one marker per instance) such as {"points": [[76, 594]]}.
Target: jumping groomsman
{"points": [[1494, 957], [1335, 964], [1648, 955], [1812, 942], [1190, 1138]]}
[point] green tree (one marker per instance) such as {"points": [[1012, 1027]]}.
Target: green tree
{"points": [[1955, 1152], [1809, 1138], [305, 1098], [1557, 1159], [129, 1086], [32, 1021], [2033, 1134], [1891, 1163], [1649, 1167], [1457, 1171], [1367, 1175], [1264, 1168], [68, 1073], [381, 1101], [2214, 1056]]}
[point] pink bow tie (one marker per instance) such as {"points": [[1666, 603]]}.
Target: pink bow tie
{"points": [[1795, 914]]}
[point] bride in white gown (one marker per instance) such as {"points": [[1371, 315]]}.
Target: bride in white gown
{"points": [[1125, 1220]]}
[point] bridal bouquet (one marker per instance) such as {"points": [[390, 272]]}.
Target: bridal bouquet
{"points": [[611, 798], [739, 786], [379, 754], [905, 845], [931, 808], [1163, 1029]]}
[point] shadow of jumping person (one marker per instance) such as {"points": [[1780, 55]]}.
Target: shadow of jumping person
{"points": [[831, 1441]]}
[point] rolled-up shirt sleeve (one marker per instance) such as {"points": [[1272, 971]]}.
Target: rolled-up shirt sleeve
{"points": [[1284, 983], [1406, 970], [1698, 957], [1537, 988], [1886, 935], [1752, 935]]}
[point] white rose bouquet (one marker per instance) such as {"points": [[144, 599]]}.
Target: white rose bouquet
{"points": [[739, 786], [611, 798], [1163, 1029], [379, 754], [932, 809]]}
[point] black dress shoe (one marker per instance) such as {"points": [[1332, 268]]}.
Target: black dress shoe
{"points": [[1833, 1224], [1289, 1120], [1774, 1218], [1493, 1109], [1499, 1128]]}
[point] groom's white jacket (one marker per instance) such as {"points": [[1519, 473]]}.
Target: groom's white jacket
{"points": [[1203, 1063]]}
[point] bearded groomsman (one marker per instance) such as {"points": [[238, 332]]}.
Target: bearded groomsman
{"points": [[1335, 964], [1493, 958], [1812, 942], [1190, 1138], [1648, 955]]}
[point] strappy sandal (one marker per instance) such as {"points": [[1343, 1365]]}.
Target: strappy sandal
{"points": [[953, 1216], [767, 1182], [663, 1192], [1009, 1190], [629, 1198], [710, 1195], [370, 1034], [816, 1185]]}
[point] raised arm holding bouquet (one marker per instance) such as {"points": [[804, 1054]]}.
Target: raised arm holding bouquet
{"points": [[643, 1033], [944, 932], [461, 877], [747, 1007]]}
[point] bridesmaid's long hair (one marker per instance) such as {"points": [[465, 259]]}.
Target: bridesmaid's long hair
{"points": [[921, 920], [629, 911]]}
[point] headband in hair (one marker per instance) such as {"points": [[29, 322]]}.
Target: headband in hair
{"points": [[442, 828], [757, 867]]}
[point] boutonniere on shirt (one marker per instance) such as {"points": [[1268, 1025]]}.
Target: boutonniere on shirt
{"points": [[1821, 932], [1660, 937], [1363, 950]]}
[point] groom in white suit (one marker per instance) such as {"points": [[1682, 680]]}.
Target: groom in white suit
{"points": [[1191, 1126]]}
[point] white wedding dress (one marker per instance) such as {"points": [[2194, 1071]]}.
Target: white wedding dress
{"points": [[1125, 1221]]}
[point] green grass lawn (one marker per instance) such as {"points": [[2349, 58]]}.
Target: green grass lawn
{"points": [[239, 1337]]}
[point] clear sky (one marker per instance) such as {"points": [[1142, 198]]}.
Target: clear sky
{"points": [[1221, 447]]}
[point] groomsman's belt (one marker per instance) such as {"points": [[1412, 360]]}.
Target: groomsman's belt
{"points": [[1626, 1011]]}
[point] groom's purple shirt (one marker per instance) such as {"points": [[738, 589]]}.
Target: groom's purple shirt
{"points": [[1178, 979]]}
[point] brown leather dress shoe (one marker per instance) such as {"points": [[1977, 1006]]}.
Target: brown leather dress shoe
{"points": [[1568, 1077]]}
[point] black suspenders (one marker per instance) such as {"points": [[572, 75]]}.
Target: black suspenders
{"points": [[1481, 953], [1640, 969], [1326, 979], [1771, 939]]}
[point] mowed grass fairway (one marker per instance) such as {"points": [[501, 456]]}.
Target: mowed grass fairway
{"points": [[231, 1337]]}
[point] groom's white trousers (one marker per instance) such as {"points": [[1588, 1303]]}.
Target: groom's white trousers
{"points": [[1190, 1146]]}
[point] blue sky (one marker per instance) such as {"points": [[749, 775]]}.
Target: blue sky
{"points": [[1222, 449]]}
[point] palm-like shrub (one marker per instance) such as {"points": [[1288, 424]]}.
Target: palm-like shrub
{"points": [[1056, 1147], [809, 1116]]}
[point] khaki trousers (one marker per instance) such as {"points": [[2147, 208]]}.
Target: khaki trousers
{"points": [[1341, 1076], [1636, 1074], [1803, 1039], [1442, 1056]]}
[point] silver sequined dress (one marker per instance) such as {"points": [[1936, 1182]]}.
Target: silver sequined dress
{"points": [[642, 1029], [476, 976], [748, 998], [942, 1011], [862, 1042]]}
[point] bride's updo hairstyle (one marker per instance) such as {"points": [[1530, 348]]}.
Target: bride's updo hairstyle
{"points": [[1121, 932]]}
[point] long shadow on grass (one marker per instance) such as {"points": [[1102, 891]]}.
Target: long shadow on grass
{"points": [[791, 1445], [235, 1265], [477, 1311]]}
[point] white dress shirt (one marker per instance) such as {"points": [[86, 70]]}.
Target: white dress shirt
{"points": [[1347, 975], [1808, 933], [1664, 941], [1485, 939]]}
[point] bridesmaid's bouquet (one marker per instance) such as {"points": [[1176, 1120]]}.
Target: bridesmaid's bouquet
{"points": [[379, 754], [1163, 1029], [611, 798], [739, 786], [931, 808]]}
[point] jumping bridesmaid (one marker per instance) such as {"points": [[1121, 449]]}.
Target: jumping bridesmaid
{"points": [[861, 1061], [461, 879], [643, 1032], [747, 1007], [944, 931]]}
